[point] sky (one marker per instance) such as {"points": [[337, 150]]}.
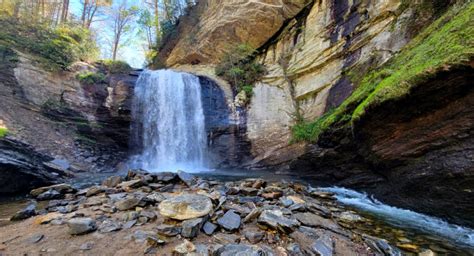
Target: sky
{"points": [[133, 52]]}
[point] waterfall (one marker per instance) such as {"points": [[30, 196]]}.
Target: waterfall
{"points": [[168, 122]]}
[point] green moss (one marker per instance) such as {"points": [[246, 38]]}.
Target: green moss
{"points": [[449, 41], [3, 132]]}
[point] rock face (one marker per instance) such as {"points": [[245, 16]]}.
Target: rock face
{"points": [[308, 49], [417, 151], [22, 168], [90, 121], [232, 21], [413, 153]]}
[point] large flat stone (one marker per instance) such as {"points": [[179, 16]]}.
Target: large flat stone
{"points": [[185, 206]]}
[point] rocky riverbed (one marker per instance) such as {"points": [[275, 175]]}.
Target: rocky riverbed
{"points": [[180, 214]]}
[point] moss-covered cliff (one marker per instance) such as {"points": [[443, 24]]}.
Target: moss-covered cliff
{"points": [[445, 44]]}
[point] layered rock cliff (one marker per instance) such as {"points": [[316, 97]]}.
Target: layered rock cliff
{"points": [[408, 148], [51, 115]]}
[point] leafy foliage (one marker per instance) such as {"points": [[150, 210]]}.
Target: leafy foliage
{"points": [[91, 78], [3, 132], [239, 67], [115, 66], [447, 42], [57, 48]]}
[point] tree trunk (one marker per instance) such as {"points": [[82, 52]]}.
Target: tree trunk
{"points": [[16, 10], [91, 16], [65, 11], [114, 51], [84, 10], [157, 19]]}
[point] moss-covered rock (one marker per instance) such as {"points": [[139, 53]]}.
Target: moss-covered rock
{"points": [[447, 42]]}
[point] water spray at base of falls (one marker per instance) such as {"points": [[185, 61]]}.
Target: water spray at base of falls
{"points": [[168, 126]]}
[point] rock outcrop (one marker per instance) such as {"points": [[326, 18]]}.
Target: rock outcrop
{"points": [[414, 153], [408, 151], [22, 168], [209, 29], [87, 124], [308, 51]]}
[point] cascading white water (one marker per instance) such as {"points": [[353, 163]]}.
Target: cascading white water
{"points": [[168, 122], [407, 219]]}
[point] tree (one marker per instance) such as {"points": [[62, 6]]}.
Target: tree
{"points": [[65, 11], [147, 27], [122, 17], [90, 9]]}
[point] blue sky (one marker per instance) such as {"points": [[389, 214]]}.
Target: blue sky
{"points": [[133, 52]]}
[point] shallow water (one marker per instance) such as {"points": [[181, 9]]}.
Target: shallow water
{"points": [[401, 226]]}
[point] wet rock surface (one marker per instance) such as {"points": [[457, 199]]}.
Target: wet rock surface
{"points": [[205, 217]]}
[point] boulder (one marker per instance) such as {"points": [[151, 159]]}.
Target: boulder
{"points": [[254, 235], [168, 230], [49, 195], [112, 181], [189, 179], [95, 190], [190, 228], [165, 177], [80, 226], [127, 185], [60, 188], [229, 221], [184, 248], [185, 206], [27, 212], [109, 226], [209, 228], [127, 204], [35, 238], [313, 220], [323, 246], [241, 249], [275, 220]]}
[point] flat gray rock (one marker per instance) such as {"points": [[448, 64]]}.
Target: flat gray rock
{"points": [[190, 228], [242, 250], [209, 228], [276, 220], [80, 226], [229, 221], [127, 204]]}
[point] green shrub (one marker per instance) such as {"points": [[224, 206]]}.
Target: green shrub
{"points": [[3, 132], [115, 66], [248, 89], [91, 78], [238, 66]]}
